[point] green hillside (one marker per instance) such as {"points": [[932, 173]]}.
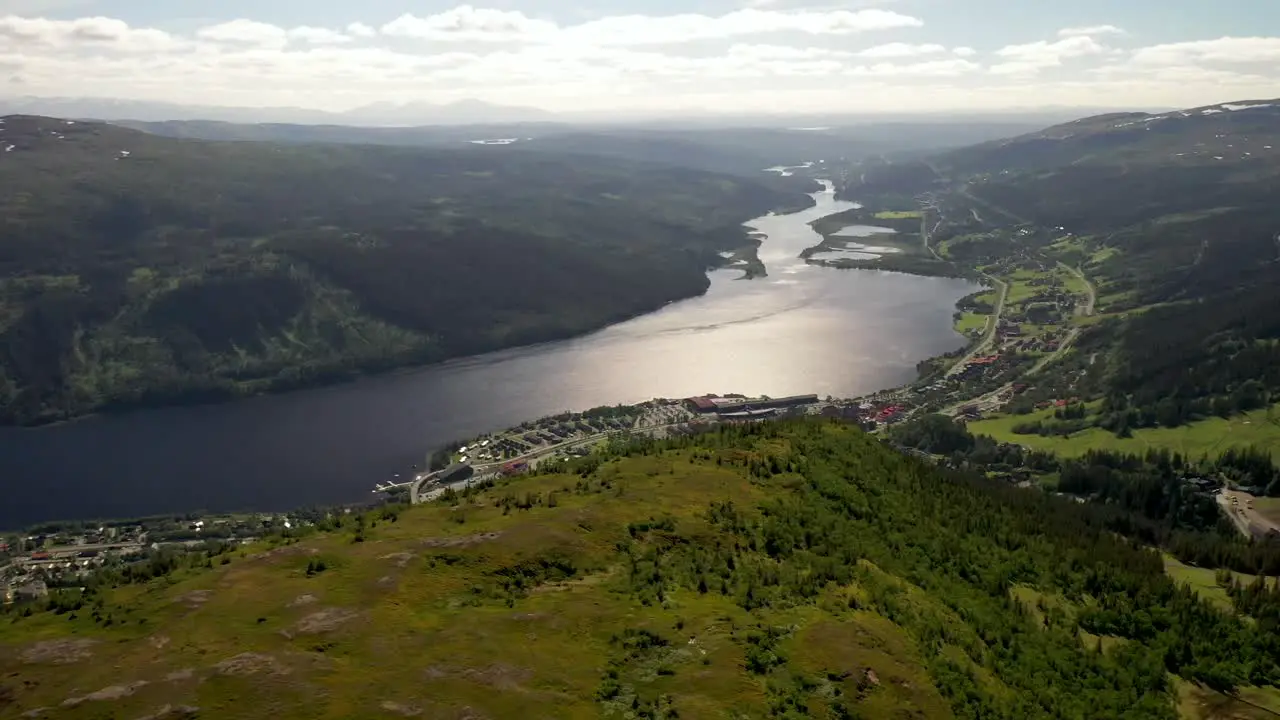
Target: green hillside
{"points": [[1208, 437], [1171, 216], [139, 269], [784, 570]]}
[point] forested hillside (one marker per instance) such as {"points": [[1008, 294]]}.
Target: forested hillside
{"points": [[789, 570], [1174, 217], [739, 150], [140, 269]]}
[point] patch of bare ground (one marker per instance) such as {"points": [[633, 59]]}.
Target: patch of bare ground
{"points": [[386, 581], [180, 675], [173, 712], [59, 652], [505, 677], [460, 541], [584, 581], [303, 601], [196, 598], [530, 616], [401, 558], [320, 622], [34, 712], [158, 642], [497, 675], [113, 692], [283, 552], [246, 664], [400, 709]]}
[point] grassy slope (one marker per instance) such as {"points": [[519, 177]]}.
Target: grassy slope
{"points": [[420, 637], [1199, 703], [971, 322], [1203, 581], [1211, 436]]}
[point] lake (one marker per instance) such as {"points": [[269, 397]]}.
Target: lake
{"points": [[802, 329]]}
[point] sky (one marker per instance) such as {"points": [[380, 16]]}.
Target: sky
{"points": [[648, 55]]}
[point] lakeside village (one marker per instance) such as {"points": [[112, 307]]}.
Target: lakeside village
{"points": [[63, 555]]}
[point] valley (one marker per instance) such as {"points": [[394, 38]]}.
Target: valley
{"points": [[1072, 515], [801, 329]]}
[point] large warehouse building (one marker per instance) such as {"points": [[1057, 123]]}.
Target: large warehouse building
{"points": [[738, 405]]}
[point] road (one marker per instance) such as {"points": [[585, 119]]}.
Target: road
{"points": [[993, 320], [926, 206], [95, 547], [993, 324], [489, 470], [1249, 522], [1073, 332], [993, 208], [1089, 288], [992, 400]]}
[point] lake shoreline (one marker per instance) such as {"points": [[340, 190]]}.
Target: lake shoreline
{"points": [[799, 330]]}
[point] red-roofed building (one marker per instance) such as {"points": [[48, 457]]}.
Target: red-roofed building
{"points": [[703, 404]]}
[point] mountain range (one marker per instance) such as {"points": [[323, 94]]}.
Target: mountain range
{"points": [[472, 111], [462, 112]]}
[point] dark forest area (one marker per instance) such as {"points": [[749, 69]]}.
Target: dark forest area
{"points": [[140, 269]]}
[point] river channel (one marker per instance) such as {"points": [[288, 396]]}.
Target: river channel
{"points": [[802, 329]]}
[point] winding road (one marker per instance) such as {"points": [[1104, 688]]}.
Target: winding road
{"points": [[993, 320], [993, 323], [991, 400]]}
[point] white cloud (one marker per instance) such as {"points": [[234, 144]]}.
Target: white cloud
{"points": [[1228, 50], [653, 30], [1030, 58], [901, 50], [784, 52], [1091, 30], [318, 35], [466, 23], [1051, 51], [933, 68], [246, 32], [100, 32], [1189, 74], [470, 24], [770, 58], [251, 33]]}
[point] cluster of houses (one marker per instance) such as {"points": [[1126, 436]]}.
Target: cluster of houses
{"points": [[30, 564], [28, 576], [867, 413], [978, 366]]}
